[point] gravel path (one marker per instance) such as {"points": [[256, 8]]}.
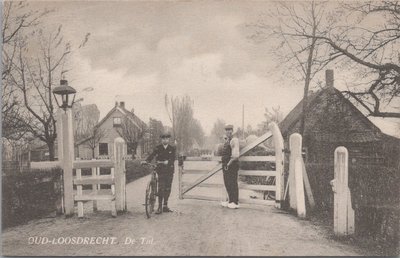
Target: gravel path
{"points": [[194, 228]]}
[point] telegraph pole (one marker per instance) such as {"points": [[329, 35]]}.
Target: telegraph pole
{"points": [[243, 121]]}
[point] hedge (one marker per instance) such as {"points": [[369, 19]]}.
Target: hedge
{"points": [[375, 194], [30, 195], [134, 170]]}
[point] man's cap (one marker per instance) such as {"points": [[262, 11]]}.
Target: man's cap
{"points": [[165, 135], [228, 127]]}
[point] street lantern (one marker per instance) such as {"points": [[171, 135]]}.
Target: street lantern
{"points": [[63, 93]]}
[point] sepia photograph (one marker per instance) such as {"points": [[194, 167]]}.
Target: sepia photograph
{"points": [[200, 128]]}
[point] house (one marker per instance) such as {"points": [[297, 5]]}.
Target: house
{"points": [[333, 120], [110, 128]]}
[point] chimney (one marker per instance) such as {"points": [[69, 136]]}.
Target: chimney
{"points": [[116, 103], [329, 78], [133, 111], [122, 104]]}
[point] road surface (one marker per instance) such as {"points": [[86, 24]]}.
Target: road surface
{"points": [[194, 228]]}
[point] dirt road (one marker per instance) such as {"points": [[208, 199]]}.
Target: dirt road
{"points": [[194, 228]]}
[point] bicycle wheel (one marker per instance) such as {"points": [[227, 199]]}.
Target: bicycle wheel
{"points": [[150, 199]]}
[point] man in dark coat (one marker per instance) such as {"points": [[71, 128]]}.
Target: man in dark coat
{"points": [[230, 168], [165, 157]]}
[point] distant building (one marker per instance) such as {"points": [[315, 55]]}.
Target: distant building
{"points": [[111, 125], [332, 120]]}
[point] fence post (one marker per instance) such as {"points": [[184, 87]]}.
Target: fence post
{"points": [[94, 187], [343, 211], [119, 170], [295, 152], [300, 199], [66, 141], [279, 156]]}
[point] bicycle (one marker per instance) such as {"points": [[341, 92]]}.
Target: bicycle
{"points": [[151, 190]]}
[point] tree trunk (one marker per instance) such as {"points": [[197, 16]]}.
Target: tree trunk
{"points": [[93, 153], [50, 145], [308, 78]]}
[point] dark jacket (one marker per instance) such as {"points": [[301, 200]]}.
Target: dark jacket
{"points": [[161, 154]]}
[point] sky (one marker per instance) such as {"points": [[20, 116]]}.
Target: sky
{"points": [[138, 51]]}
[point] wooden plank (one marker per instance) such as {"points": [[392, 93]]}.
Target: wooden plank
{"points": [[202, 179], [257, 201], [279, 164], [98, 197], [204, 184], [194, 171], [300, 197], [350, 215], [94, 188], [295, 141], [213, 158], [201, 197], [246, 149], [79, 192], [67, 161], [307, 186], [258, 187], [94, 180], [241, 200], [104, 163], [257, 172], [45, 165], [258, 158], [255, 143], [113, 185], [119, 173]]}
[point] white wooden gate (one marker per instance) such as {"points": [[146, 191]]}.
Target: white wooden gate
{"points": [[185, 186]]}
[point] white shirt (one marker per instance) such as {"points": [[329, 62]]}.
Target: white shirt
{"points": [[235, 148]]}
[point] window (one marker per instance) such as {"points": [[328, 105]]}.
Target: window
{"points": [[116, 121], [103, 149]]}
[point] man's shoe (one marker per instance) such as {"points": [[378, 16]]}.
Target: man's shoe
{"points": [[166, 209], [224, 204], [159, 210], [233, 205]]}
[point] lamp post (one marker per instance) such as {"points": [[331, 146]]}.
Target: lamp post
{"points": [[62, 95], [65, 96]]}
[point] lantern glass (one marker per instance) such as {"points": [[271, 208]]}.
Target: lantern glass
{"points": [[62, 93]]}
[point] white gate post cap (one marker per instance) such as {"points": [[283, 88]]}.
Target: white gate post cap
{"points": [[119, 139], [341, 149]]}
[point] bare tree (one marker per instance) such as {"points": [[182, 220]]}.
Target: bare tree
{"points": [[299, 58], [85, 119], [39, 64], [16, 18], [275, 115], [218, 131], [95, 137], [196, 130], [131, 133], [374, 51], [35, 78], [368, 53]]}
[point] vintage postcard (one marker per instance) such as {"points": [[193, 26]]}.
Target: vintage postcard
{"points": [[212, 128]]}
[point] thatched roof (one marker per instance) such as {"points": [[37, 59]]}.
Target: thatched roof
{"points": [[371, 129]]}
